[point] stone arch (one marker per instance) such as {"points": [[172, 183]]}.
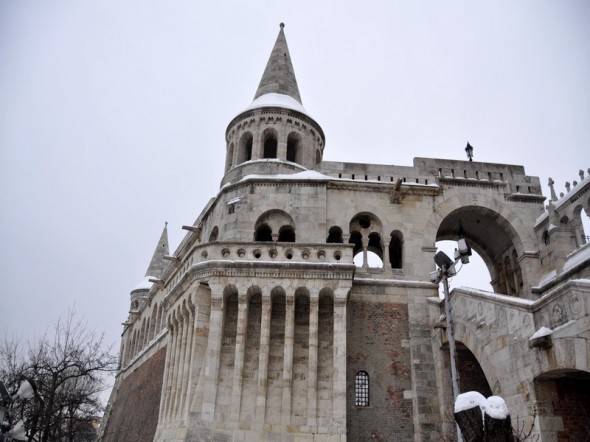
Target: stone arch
{"points": [[318, 157], [245, 148], [275, 219], [269, 143], [154, 322], [487, 230], [564, 222], [356, 238], [263, 233], [481, 351], [578, 225], [396, 245], [365, 223], [294, 147], [375, 244], [214, 234], [334, 235], [229, 157], [286, 234]]}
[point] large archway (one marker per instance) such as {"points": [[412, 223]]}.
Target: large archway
{"points": [[493, 238]]}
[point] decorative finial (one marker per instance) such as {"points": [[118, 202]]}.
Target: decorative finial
{"points": [[166, 223], [561, 194], [567, 186], [581, 173], [575, 183], [551, 183], [282, 25]]}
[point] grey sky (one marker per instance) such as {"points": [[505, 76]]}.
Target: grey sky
{"points": [[113, 114]]}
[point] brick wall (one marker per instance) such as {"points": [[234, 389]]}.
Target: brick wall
{"points": [[374, 344], [134, 416], [471, 376]]}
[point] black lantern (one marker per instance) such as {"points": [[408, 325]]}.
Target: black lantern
{"points": [[469, 151]]}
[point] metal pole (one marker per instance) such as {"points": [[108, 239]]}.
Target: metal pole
{"points": [[451, 339]]}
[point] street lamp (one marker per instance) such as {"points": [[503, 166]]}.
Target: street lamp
{"points": [[446, 268], [469, 151]]}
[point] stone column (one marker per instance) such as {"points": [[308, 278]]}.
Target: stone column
{"points": [[339, 388], [213, 354], [189, 366], [386, 257], [365, 247], [288, 359], [257, 147], [174, 366], [181, 342], [239, 357], [263, 358], [312, 373], [167, 370]]}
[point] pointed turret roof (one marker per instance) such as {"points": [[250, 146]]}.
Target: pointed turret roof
{"points": [[157, 264], [279, 76]]}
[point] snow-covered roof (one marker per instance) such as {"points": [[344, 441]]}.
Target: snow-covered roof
{"points": [[277, 100], [144, 284]]}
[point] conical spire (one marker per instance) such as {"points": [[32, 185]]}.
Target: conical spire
{"points": [[157, 263], [279, 76]]}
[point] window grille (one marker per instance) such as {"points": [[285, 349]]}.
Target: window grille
{"points": [[361, 388]]}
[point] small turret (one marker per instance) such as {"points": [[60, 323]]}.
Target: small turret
{"points": [[154, 271], [274, 134]]}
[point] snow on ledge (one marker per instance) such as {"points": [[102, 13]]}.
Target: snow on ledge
{"points": [[543, 331], [144, 284]]}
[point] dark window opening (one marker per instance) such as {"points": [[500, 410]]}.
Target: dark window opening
{"points": [[263, 233], [292, 150], [395, 250], [286, 234], [270, 148], [357, 239], [334, 236]]}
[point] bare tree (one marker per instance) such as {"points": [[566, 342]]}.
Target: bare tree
{"points": [[69, 369]]}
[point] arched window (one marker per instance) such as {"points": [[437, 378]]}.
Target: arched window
{"points": [[214, 234], [292, 147], [245, 148], [395, 250], [270, 146], [263, 233], [318, 157], [334, 235], [286, 234], [361, 389], [230, 157]]}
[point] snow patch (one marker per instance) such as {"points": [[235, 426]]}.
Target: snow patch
{"points": [[548, 277], [277, 100], [543, 331], [496, 407], [577, 257], [145, 284], [466, 401]]}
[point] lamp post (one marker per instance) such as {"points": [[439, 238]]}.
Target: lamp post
{"points": [[469, 151], [446, 268]]}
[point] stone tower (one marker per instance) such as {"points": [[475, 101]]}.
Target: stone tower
{"points": [[261, 327]]}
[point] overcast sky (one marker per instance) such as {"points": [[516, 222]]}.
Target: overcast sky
{"points": [[113, 115]]}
